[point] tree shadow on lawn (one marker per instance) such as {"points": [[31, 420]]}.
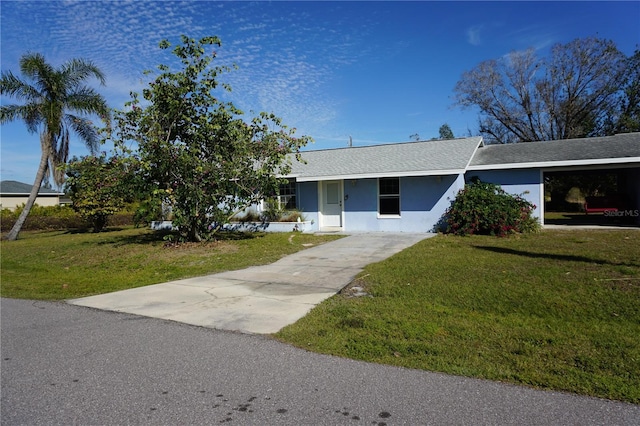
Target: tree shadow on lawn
{"points": [[89, 230], [171, 238], [551, 256]]}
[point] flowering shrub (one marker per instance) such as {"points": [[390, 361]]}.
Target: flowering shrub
{"points": [[485, 208]]}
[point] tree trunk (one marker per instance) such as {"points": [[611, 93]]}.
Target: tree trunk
{"points": [[99, 222], [13, 234]]}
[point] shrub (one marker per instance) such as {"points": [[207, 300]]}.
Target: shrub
{"points": [[292, 216], [270, 215], [43, 218], [55, 218], [98, 187], [273, 212], [485, 208]]}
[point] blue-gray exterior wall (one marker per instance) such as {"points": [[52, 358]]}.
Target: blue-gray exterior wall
{"points": [[526, 183], [423, 201], [307, 202]]}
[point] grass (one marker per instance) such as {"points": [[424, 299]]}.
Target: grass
{"points": [[62, 265], [557, 310]]}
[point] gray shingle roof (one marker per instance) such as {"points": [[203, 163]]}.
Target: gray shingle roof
{"points": [[599, 150], [12, 187], [437, 157]]}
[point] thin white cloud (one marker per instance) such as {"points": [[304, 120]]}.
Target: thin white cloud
{"points": [[286, 60], [534, 36], [473, 35]]}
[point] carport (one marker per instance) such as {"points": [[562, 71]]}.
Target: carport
{"points": [[610, 164], [592, 196]]}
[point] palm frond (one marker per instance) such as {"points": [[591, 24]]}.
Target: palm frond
{"points": [[49, 94], [34, 66], [10, 85], [85, 100], [29, 113], [85, 129], [76, 71]]}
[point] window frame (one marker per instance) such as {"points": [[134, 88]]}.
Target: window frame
{"points": [[389, 196], [291, 191]]}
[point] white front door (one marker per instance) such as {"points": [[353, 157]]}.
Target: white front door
{"points": [[332, 204]]}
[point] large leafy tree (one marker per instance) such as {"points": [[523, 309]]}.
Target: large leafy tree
{"points": [[570, 94], [55, 103], [625, 116], [195, 152]]}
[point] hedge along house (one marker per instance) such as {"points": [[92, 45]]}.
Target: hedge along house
{"points": [[407, 187]]}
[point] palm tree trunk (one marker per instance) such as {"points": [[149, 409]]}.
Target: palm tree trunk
{"points": [[13, 234]]}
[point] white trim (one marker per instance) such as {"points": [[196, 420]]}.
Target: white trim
{"points": [[541, 200], [26, 194], [321, 225], [381, 175], [481, 143], [566, 163], [319, 190], [592, 167]]}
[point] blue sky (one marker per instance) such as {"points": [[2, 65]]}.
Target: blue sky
{"points": [[376, 71]]}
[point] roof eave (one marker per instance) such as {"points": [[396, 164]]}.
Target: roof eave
{"points": [[480, 144], [416, 173], [26, 194], [547, 164]]}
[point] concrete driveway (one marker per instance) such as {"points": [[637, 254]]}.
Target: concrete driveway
{"points": [[261, 299]]}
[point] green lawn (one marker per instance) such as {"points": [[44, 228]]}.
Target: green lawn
{"points": [[61, 265], [557, 310]]}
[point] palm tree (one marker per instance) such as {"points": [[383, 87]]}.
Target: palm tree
{"points": [[52, 98]]}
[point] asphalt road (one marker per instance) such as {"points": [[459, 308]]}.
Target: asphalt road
{"points": [[64, 364]]}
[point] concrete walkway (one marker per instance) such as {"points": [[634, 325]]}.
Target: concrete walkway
{"points": [[261, 299]]}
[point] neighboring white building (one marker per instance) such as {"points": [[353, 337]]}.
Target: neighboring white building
{"points": [[13, 194]]}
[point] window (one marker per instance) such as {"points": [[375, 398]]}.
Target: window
{"points": [[389, 198], [287, 195]]}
